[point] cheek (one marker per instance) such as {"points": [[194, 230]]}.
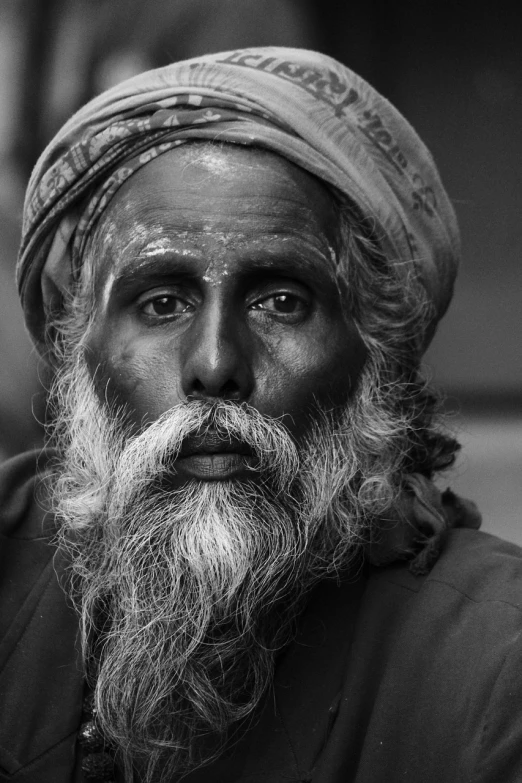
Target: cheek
{"points": [[135, 377], [344, 362], [322, 369]]}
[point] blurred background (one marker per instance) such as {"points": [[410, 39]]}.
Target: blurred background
{"points": [[454, 69]]}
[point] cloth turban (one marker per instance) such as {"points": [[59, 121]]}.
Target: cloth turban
{"points": [[299, 104]]}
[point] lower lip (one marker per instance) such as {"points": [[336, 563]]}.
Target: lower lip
{"points": [[215, 467]]}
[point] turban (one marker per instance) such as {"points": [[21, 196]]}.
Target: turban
{"points": [[300, 104]]}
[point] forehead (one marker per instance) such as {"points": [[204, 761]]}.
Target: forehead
{"points": [[211, 196]]}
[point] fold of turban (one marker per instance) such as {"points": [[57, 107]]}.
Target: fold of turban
{"points": [[300, 104]]}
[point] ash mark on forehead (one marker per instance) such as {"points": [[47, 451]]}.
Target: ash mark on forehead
{"points": [[206, 160], [218, 265], [109, 230], [216, 270], [139, 240], [161, 246], [141, 236], [122, 235]]}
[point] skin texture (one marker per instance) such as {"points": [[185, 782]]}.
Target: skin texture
{"points": [[215, 281]]}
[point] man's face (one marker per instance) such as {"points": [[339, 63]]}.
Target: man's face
{"points": [[216, 282]]}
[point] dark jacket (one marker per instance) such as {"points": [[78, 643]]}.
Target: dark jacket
{"points": [[392, 677]]}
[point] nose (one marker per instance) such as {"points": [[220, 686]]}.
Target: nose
{"points": [[217, 363]]}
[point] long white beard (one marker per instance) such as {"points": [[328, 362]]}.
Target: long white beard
{"points": [[186, 594]]}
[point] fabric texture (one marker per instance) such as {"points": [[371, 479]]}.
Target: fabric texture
{"points": [[297, 103], [391, 677], [41, 682]]}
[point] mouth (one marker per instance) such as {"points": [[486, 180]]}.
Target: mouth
{"points": [[211, 457]]}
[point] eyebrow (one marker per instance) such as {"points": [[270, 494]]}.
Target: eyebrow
{"points": [[180, 265]]}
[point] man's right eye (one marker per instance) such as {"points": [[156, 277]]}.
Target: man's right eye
{"points": [[164, 306]]}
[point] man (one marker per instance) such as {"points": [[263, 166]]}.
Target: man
{"points": [[231, 563]]}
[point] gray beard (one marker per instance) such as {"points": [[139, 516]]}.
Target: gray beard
{"points": [[186, 595]]}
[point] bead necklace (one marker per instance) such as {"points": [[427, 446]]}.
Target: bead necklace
{"points": [[97, 761]]}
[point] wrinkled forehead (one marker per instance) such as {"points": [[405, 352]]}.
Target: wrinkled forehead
{"points": [[216, 198]]}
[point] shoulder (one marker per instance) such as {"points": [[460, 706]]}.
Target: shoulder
{"points": [[444, 652], [475, 567], [23, 495], [469, 604], [40, 681], [482, 567], [26, 529]]}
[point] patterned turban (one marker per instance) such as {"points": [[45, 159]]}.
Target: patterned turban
{"points": [[299, 104]]}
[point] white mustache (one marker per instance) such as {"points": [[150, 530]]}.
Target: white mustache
{"points": [[152, 452]]}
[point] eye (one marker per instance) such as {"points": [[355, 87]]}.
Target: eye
{"points": [[164, 306], [283, 304]]}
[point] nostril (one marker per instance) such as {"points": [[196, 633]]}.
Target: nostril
{"points": [[198, 389], [230, 390]]}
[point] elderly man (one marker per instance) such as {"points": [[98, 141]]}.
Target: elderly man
{"points": [[231, 563]]}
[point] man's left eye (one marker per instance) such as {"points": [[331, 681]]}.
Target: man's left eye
{"points": [[164, 306], [285, 304]]}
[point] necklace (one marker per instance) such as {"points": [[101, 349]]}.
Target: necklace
{"points": [[97, 761]]}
